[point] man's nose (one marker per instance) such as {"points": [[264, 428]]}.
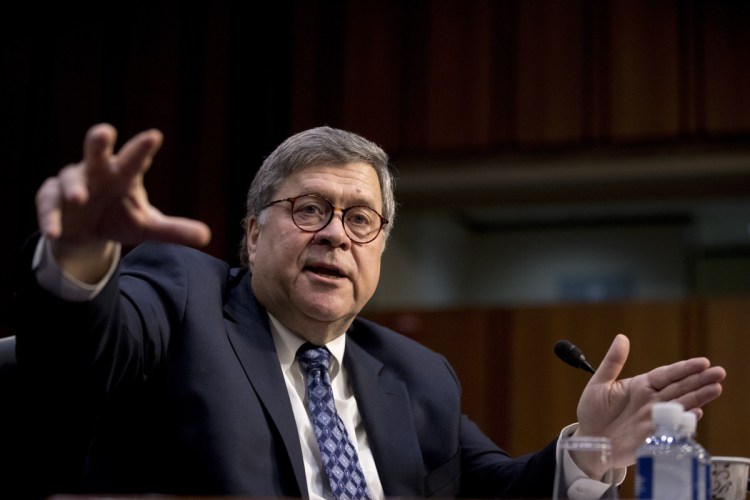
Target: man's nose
{"points": [[333, 233]]}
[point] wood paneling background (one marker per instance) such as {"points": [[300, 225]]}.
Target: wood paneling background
{"points": [[472, 76]]}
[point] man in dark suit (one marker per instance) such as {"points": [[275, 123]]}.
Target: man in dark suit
{"points": [[193, 377]]}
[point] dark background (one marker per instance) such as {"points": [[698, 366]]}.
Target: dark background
{"points": [[213, 76], [431, 81]]}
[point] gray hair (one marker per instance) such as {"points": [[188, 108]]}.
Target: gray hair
{"points": [[313, 147]]}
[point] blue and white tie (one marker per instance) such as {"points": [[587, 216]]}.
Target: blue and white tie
{"points": [[339, 455]]}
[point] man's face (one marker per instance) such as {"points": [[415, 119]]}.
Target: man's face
{"points": [[315, 283]]}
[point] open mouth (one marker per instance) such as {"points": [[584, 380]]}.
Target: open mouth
{"points": [[325, 271]]}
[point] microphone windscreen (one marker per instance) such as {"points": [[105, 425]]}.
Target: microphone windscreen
{"points": [[572, 355], [566, 350]]}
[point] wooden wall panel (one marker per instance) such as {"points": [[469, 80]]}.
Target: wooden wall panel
{"points": [[726, 74], [550, 72], [725, 428], [458, 76], [375, 80], [644, 70], [433, 77], [544, 391]]}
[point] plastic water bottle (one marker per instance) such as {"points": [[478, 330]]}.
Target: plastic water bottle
{"points": [[664, 466], [701, 458]]}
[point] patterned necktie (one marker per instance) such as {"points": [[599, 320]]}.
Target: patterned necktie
{"points": [[339, 456]]}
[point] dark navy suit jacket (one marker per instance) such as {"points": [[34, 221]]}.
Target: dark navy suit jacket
{"points": [[172, 380]]}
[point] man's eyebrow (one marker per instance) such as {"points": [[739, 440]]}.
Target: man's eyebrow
{"points": [[362, 202], [356, 202]]}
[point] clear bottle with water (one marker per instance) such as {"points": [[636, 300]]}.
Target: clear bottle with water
{"points": [[664, 465], [701, 458]]}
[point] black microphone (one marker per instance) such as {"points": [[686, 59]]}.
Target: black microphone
{"points": [[572, 355]]}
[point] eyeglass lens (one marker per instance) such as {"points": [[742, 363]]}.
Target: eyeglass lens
{"points": [[313, 213]]}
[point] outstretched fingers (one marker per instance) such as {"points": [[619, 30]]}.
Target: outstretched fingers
{"points": [[98, 145], [663, 376], [132, 159], [692, 382], [103, 198], [136, 155]]}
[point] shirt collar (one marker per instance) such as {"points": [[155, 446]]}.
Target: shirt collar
{"points": [[288, 343]]}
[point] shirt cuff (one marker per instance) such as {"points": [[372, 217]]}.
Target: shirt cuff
{"points": [[59, 283], [579, 484]]}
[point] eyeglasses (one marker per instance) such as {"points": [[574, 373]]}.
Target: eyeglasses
{"points": [[312, 213]]}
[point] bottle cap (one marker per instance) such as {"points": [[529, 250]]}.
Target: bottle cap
{"points": [[688, 422], [666, 413]]}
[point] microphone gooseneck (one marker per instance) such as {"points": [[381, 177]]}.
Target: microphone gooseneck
{"points": [[572, 355]]}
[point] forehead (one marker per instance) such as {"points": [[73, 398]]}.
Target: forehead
{"points": [[347, 182]]}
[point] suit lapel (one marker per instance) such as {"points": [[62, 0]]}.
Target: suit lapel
{"points": [[250, 335], [383, 402]]}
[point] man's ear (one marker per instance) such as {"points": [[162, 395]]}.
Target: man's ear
{"points": [[252, 233]]}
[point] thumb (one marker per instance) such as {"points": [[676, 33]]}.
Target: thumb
{"points": [[614, 361]]}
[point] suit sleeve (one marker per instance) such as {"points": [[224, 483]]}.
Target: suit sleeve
{"points": [[120, 336], [488, 471]]}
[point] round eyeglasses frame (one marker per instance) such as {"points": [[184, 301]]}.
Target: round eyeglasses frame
{"points": [[333, 209]]}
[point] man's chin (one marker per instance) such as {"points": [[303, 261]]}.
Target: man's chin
{"points": [[327, 312]]}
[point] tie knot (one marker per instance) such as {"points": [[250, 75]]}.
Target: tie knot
{"points": [[312, 357]]}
